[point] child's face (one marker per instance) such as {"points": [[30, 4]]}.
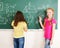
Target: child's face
{"points": [[50, 13]]}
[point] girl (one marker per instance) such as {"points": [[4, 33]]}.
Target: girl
{"points": [[19, 25], [49, 27]]}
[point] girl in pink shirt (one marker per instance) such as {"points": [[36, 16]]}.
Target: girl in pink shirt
{"points": [[49, 27]]}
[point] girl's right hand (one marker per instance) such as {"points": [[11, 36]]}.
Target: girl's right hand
{"points": [[40, 19]]}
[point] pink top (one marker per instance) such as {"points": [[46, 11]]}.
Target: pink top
{"points": [[48, 28]]}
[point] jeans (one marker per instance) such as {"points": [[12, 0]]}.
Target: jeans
{"points": [[47, 43], [19, 42]]}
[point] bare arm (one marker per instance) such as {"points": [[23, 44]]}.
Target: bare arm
{"points": [[53, 32], [40, 21], [25, 27]]}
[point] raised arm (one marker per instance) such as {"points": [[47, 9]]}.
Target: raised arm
{"points": [[40, 21]]}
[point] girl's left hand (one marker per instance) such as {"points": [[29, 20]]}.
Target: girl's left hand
{"points": [[51, 42]]}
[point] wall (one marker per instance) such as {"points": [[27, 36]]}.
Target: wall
{"points": [[33, 38]]}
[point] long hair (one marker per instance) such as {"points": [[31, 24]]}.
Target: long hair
{"points": [[18, 18]]}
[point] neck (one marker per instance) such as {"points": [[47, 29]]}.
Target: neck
{"points": [[49, 18]]}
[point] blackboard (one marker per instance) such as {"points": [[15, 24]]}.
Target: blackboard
{"points": [[31, 9]]}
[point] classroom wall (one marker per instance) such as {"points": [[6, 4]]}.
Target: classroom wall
{"points": [[33, 38]]}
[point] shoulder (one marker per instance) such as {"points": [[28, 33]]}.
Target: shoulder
{"points": [[25, 23], [22, 23]]}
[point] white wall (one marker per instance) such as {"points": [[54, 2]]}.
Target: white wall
{"points": [[33, 38]]}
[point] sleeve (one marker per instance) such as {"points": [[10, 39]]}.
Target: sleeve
{"points": [[54, 21], [25, 25]]}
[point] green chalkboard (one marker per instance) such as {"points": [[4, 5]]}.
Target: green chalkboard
{"points": [[31, 9]]}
